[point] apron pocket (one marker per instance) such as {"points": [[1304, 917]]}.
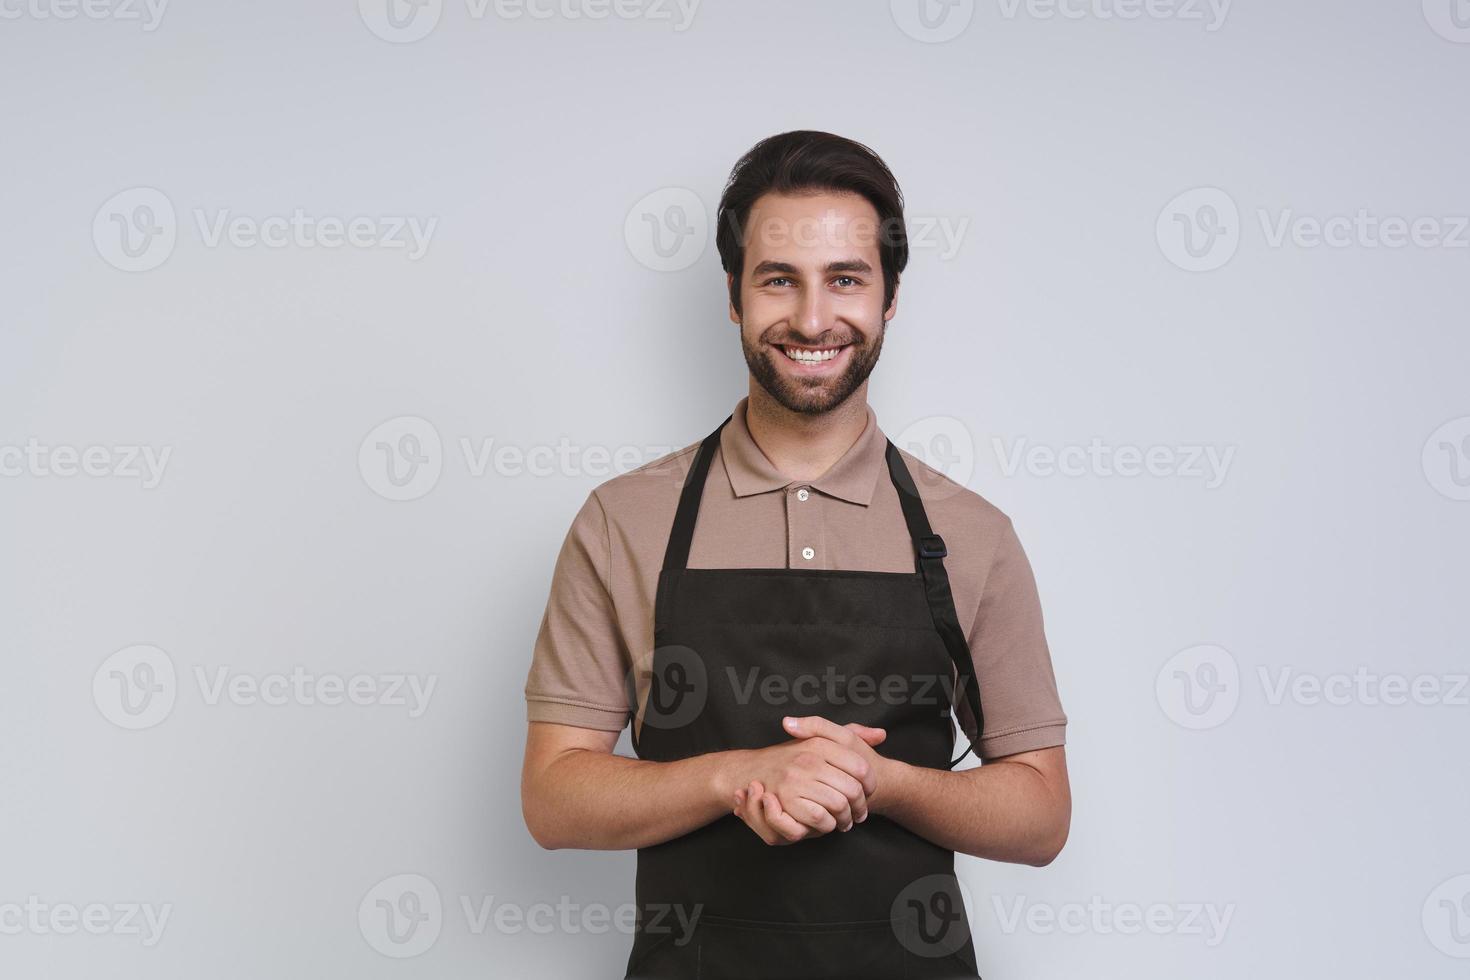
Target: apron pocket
{"points": [[742, 949]]}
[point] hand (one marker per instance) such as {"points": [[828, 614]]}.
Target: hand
{"points": [[817, 783], [762, 813]]}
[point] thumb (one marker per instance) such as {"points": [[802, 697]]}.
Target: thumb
{"points": [[873, 736]]}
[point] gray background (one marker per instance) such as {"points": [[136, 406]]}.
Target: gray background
{"points": [[1332, 834]]}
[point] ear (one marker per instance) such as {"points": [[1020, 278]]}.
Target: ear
{"points": [[729, 284], [892, 310]]}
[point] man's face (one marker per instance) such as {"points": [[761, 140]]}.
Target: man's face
{"points": [[812, 297]]}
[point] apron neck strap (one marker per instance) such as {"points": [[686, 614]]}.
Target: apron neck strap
{"points": [[676, 555]]}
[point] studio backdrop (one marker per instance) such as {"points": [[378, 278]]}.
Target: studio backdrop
{"points": [[319, 321]]}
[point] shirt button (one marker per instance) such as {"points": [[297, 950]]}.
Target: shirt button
{"points": [[802, 494], [808, 554]]}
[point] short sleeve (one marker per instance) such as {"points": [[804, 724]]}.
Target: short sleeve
{"points": [[1018, 689], [579, 662]]}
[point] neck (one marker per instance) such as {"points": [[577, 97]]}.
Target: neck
{"points": [[803, 447]]}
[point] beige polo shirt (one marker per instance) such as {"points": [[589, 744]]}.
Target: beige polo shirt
{"points": [[600, 611]]}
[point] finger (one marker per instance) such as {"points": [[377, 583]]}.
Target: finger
{"points": [[852, 763], [835, 807], [755, 818], [852, 791], [873, 736], [809, 726], [781, 822]]}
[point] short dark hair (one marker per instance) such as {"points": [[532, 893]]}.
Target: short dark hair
{"points": [[802, 161]]}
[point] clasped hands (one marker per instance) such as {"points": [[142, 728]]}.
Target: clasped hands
{"points": [[820, 781]]}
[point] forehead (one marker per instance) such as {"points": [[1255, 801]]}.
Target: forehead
{"points": [[817, 224]]}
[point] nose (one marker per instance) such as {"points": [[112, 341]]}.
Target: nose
{"points": [[812, 314]]}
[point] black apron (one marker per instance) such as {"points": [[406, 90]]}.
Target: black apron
{"points": [[737, 649]]}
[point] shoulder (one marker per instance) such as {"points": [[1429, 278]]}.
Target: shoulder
{"points": [[653, 487], [969, 523]]}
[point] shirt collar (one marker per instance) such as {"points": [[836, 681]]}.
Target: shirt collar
{"points": [[851, 478]]}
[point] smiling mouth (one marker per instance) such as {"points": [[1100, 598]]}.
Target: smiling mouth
{"points": [[811, 355]]}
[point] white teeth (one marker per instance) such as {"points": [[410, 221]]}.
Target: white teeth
{"points": [[811, 356]]}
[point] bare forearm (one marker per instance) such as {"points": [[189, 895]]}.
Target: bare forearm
{"points": [[1002, 811], [584, 798]]}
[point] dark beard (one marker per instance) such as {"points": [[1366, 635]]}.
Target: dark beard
{"points": [[815, 397]]}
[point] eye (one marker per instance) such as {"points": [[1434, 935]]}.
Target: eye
{"points": [[847, 281], [773, 281]]}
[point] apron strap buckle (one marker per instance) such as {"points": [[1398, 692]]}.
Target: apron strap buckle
{"points": [[932, 546]]}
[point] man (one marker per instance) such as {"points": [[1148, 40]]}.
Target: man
{"points": [[787, 619]]}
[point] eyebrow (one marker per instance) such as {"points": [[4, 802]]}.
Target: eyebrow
{"points": [[787, 269]]}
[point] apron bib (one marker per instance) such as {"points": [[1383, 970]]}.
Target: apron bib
{"points": [[736, 650]]}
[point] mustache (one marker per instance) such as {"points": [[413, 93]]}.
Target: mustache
{"points": [[855, 340]]}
